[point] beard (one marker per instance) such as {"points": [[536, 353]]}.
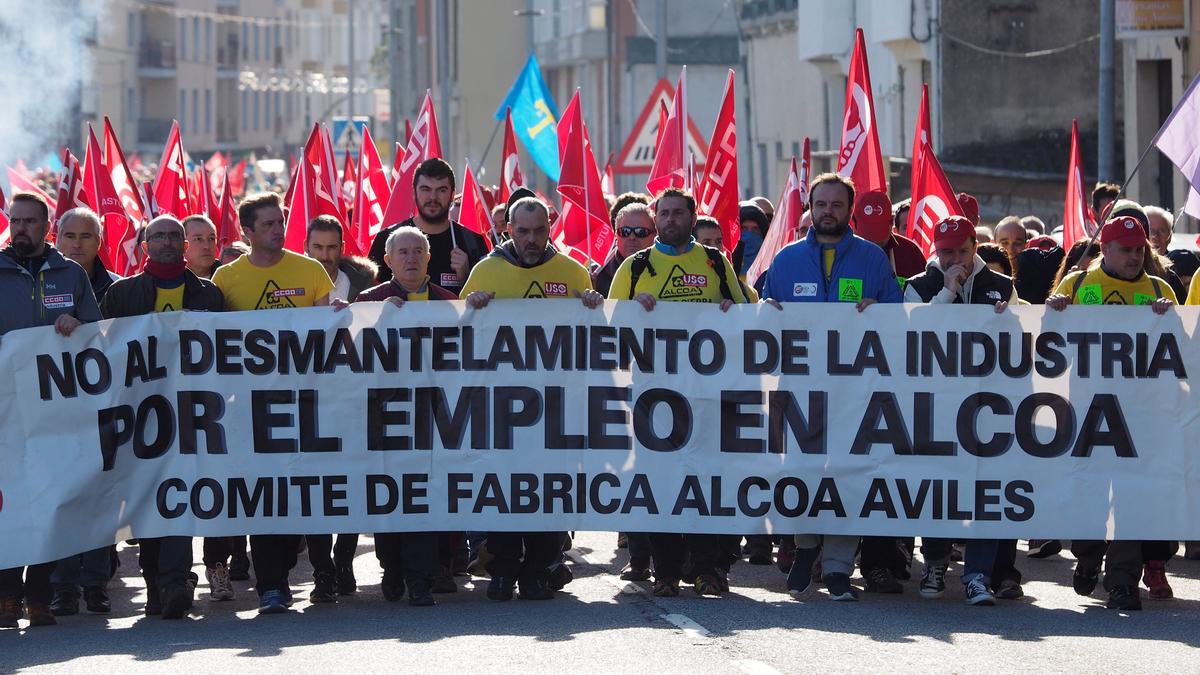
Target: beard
{"points": [[23, 247], [434, 213], [831, 229]]}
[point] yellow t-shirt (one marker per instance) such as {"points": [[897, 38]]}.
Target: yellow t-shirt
{"points": [[558, 277], [1097, 287], [1193, 296], [168, 299], [294, 281], [688, 277], [828, 255]]}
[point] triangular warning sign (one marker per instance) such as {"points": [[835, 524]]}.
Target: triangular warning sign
{"points": [[682, 286], [534, 291], [637, 155], [272, 298]]}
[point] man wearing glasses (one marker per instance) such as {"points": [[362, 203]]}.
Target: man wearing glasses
{"points": [[635, 231]]}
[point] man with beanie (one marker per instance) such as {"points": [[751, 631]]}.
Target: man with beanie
{"points": [[167, 285]]}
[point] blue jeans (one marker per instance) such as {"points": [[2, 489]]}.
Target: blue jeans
{"points": [[978, 558], [83, 570]]}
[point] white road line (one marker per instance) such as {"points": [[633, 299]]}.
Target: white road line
{"points": [[689, 627], [752, 667]]}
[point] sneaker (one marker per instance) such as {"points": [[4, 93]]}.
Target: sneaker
{"points": [[560, 576], [346, 583], [977, 593], [636, 570], [176, 601], [419, 594], [707, 584], [443, 582], [500, 589], [288, 598], [1010, 589], [1084, 580], [153, 601], [1155, 578], [220, 588], [786, 555], [239, 567], [65, 604], [881, 580], [839, 587], [12, 610], [1125, 598], [324, 590], [392, 587], [666, 588], [271, 602], [1043, 548], [96, 600], [800, 575], [536, 588], [933, 580]]}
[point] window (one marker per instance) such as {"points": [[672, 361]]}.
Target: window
{"points": [[130, 29], [245, 42], [257, 43], [182, 108], [196, 111], [196, 38], [245, 112], [267, 112], [130, 103], [208, 111], [182, 38], [257, 112], [208, 40]]}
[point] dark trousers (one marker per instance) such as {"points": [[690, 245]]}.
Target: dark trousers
{"points": [[522, 554], [31, 583], [273, 556], [1159, 550], [880, 553], [671, 548], [1122, 560], [165, 561], [82, 570], [407, 555], [326, 557], [1005, 566], [639, 547], [217, 550]]}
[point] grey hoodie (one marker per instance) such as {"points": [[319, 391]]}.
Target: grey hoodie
{"points": [[59, 287]]}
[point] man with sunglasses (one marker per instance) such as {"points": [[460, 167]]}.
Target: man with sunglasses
{"points": [[635, 231]]}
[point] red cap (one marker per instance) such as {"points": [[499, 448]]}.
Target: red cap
{"points": [[952, 231], [1043, 242], [1124, 230], [873, 215], [970, 207]]}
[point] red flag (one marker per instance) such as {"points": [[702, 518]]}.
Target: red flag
{"points": [[1078, 221], [805, 176], [662, 123], [670, 155], [5, 235], [923, 136], [171, 185], [398, 158], [474, 213], [227, 220], [784, 225], [21, 183], [302, 207], [71, 192], [291, 185], [122, 177], [860, 158], [423, 144], [370, 194], [318, 154], [510, 171], [718, 194], [120, 235], [151, 205], [586, 225], [210, 204], [932, 200], [348, 184], [237, 178], [607, 183]]}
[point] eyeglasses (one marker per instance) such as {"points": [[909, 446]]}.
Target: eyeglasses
{"points": [[639, 232], [165, 236]]}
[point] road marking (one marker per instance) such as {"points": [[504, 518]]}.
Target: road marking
{"points": [[752, 667], [689, 627]]}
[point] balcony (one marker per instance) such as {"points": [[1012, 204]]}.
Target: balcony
{"points": [[152, 131], [156, 58]]}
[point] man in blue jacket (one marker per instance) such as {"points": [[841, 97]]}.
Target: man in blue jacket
{"points": [[831, 264]]}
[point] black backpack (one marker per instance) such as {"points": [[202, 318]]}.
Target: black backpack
{"points": [[641, 263]]}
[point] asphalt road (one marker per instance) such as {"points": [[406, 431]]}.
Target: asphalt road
{"points": [[600, 624]]}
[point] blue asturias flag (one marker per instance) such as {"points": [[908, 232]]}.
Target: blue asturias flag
{"points": [[535, 117]]}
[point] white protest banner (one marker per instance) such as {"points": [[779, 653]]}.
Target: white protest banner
{"points": [[542, 415]]}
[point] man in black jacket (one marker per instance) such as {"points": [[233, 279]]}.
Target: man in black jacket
{"points": [[166, 285]]}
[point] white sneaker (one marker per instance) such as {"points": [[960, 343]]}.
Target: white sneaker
{"points": [[219, 585]]}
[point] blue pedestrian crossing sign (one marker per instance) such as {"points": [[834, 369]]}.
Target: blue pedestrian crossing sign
{"points": [[347, 137]]}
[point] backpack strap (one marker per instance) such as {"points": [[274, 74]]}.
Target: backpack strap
{"points": [[1157, 290], [717, 259], [641, 263], [1078, 283]]}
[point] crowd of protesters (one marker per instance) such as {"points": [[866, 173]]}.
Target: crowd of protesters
{"points": [[849, 249]]}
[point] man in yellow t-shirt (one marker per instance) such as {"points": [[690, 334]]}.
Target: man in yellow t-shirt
{"points": [[678, 268], [1119, 280], [526, 266], [269, 277]]}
